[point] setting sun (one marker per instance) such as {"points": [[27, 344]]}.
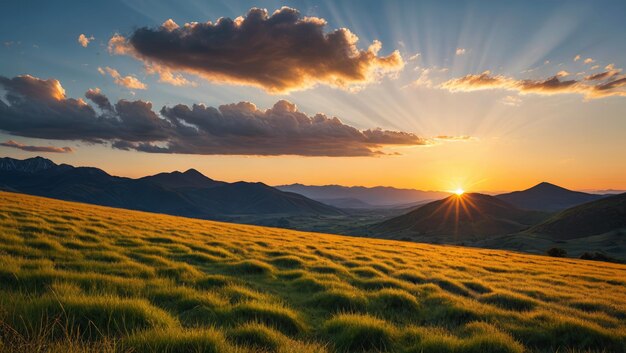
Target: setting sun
{"points": [[459, 191]]}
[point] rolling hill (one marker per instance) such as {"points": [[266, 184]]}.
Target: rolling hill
{"points": [[84, 278], [547, 197], [589, 219], [470, 216], [380, 196], [188, 194]]}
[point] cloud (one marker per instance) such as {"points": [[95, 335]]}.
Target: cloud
{"points": [[562, 73], [84, 40], [279, 53], [588, 61], [50, 149], [129, 82], [513, 101], [577, 57], [99, 99], [39, 108], [610, 73], [167, 76], [414, 57], [460, 51], [424, 79], [455, 138], [606, 84]]}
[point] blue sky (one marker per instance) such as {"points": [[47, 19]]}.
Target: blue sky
{"points": [[559, 135]]}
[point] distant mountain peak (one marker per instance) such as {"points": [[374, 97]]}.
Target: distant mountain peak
{"points": [[29, 165], [547, 197], [195, 174], [544, 185], [192, 171]]}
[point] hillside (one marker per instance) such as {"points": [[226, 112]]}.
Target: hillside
{"points": [[81, 278], [458, 218], [379, 196], [188, 194], [593, 218], [547, 197]]}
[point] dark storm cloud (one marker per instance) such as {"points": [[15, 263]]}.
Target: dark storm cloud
{"points": [[39, 108], [96, 96], [280, 52], [50, 149]]}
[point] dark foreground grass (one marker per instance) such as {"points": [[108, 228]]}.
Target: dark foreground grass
{"points": [[79, 278]]}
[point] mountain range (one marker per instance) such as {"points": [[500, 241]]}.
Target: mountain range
{"points": [[528, 220], [178, 193], [594, 227], [364, 197]]}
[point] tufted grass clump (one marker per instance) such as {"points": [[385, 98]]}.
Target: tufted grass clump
{"points": [[88, 316], [273, 315], [509, 301], [289, 262], [559, 333], [477, 287], [257, 336], [342, 300], [252, 268], [486, 338], [180, 299], [360, 333], [200, 340], [394, 302]]}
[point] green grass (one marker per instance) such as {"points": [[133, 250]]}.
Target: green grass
{"points": [[79, 278]]}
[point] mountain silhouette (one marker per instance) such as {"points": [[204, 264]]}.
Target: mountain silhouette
{"points": [[592, 218], [547, 197], [188, 193], [177, 180], [379, 196], [470, 216]]}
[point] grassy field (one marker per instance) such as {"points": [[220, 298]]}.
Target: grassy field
{"points": [[79, 278]]}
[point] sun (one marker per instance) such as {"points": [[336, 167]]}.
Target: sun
{"points": [[459, 191]]}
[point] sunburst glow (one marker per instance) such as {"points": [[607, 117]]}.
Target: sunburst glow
{"points": [[459, 191]]}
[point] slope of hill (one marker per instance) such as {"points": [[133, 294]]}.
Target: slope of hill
{"points": [[592, 218], [547, 197], [78, 278], [187, 194], [458, 218], [375, 196]]}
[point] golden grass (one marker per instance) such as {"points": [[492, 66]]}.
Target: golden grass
{"points": [[77, 277]]}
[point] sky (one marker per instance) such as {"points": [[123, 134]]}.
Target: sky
{"points": [[432, 95]]}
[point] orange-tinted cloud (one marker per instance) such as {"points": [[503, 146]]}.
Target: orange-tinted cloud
{"points": [[167, 76], [35, 108], [280, 52], [49, 149], [84, 41], [455, 138], [129, 82], [605, 84]]}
